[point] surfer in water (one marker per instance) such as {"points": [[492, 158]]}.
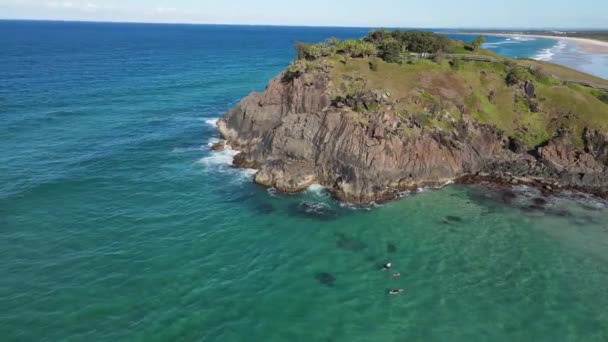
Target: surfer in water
{"points": [[395, 291], [387, 266]]}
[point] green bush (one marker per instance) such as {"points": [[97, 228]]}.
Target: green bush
{"points": [[390, 50], [373, 66], [312, 52], [296, 69], [377, 36], [476, 43], [517, 75], [602, 96], [423, 41], [356, 48], [455, 64]]}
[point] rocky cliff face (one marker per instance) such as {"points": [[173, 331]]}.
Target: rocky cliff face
{"points": [[296, 135]]}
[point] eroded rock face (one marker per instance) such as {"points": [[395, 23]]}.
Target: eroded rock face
{"points": [[296, 136]]}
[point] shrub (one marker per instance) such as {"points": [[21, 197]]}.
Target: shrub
{"points": [[390, 50], [332, 41], [540, 75], [602, 96], [296, 69], [438, 57], [517, 75], [311, 52], [455, 64], [356, 48], [476, 43], [373, 66], [422, 41], [377, 36]]}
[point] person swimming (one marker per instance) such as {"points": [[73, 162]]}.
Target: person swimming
{"points": [[387, 266], [395, 291]]}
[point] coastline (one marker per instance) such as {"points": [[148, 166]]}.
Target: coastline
{"points": [[587, 45]]}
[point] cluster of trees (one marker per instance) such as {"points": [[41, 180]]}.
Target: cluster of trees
{"points": [[350, 47], [392, 43], [383, 43]]}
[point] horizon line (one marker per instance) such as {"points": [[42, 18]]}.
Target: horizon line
{"points": [[299, 25]]}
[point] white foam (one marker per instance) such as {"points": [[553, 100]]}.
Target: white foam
{"points": [[318, 190], [524, 39], [547, 54], [221, 161], [212, 122], [188, 149]]}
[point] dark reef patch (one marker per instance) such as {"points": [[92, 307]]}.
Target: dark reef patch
{"points": [[391, 247], [350, 244], [326, 279], [313, 210], [264, 208], [452, 218]]}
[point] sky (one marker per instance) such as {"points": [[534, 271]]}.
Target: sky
{"points": [[361, 13]]}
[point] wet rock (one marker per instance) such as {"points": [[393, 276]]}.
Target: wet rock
{"points": [[326, 279], [508, 196], [561, 213], [241, 161], [220, 146], [391, 247], [539, 201]]}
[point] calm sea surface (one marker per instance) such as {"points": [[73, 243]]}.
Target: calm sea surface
{"points": [[118, 224]]}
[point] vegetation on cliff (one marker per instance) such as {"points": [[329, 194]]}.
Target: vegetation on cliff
{"points": [[524, 99]]}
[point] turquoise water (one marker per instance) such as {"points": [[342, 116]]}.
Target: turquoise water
{"points": [[118, 224]]}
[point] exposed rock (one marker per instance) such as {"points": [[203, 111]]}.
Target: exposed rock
{"points": [[220, 146], [295, 135], [529, 89]]}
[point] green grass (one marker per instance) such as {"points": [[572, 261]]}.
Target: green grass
{"points": [[434, 95]]}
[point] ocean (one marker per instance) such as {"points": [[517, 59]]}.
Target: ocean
{"points": [[117, 223]]}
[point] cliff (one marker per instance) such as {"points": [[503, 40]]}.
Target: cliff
{"points": [[368, 129]]}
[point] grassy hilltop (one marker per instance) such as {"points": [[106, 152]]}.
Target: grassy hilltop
{"points": [[434, 82]]}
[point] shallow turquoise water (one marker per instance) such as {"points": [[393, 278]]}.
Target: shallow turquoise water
{"points": [[118, 223]]}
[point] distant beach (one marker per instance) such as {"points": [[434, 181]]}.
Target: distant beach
{"points": [[583, 54], [587, 45]]}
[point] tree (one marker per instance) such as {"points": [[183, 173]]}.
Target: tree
{"points": [[311, 52], [389, 50], [377, 36], [356, 48], [476, 43]]}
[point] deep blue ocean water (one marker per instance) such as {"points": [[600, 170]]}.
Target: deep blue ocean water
{"points": [[117, 223]]}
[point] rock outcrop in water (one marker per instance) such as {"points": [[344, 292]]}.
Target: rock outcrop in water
{"points": [[299, 132]]}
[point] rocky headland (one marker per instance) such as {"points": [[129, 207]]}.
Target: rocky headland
{"points": [[368, 128]]}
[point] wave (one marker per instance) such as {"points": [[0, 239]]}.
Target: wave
{"points": [[212, 122], [524, 39], [318, 190], [188, 149], [547, 54], [221, 161]]}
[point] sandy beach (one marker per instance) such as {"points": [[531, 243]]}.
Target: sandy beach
{"points": [[586, 45]]}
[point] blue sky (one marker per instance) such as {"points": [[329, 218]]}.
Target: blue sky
{"points": [[372, 13]]}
